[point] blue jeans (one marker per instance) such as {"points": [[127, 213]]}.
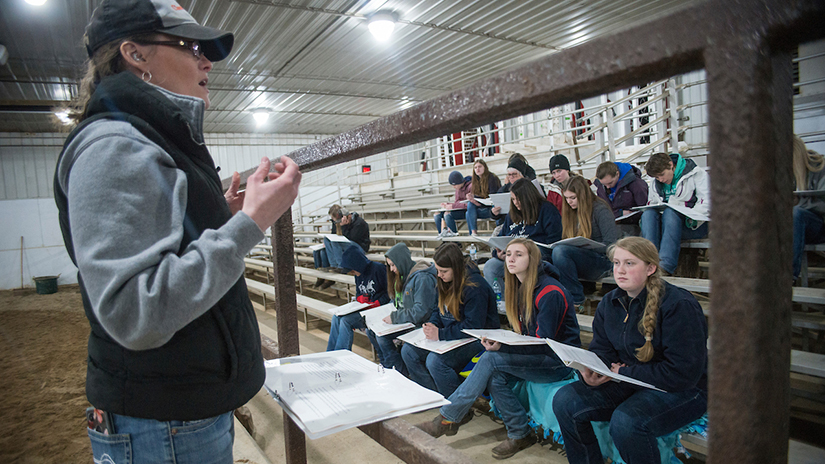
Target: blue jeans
{"points": [[139, 441], [497, 371], [494, 269], [387, 351], [332, 253], [320, 258], [450, 218], [439, 372], [340, 332], [474, 213], [637, 416], [574, 263], [808, 228], [666, 231]]}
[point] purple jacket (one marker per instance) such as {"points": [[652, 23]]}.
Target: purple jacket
{"points": [[467, 187], [631, 191]]}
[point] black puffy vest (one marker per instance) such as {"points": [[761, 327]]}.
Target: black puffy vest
{"points": [[214, 364]]}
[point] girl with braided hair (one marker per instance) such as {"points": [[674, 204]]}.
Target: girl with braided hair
{"points": [[652, 331]]}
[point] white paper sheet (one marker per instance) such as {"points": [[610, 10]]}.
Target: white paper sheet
{"points": [[578, 242], [684, 210], [495, 241], [580, 359], [484, 201], [501, 200], [348, 308], [627, 216], [504, 336], [335, 238], [374, 318], [316, 247], [332, 391], [417, 338]]}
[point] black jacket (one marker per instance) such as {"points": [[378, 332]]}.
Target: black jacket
{"points": [[357, 231]]}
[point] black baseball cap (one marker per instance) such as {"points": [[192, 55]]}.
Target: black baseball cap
{"points": [[118, 19]]}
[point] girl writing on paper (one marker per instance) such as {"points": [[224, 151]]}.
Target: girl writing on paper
{"points": [[370, 287], [412, 287], [484, 183], [530, 216], [585, 215], [537, 306], [465, 301], [652, 331]]}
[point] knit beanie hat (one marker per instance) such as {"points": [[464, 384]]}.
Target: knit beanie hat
{"points": [[519, 166], [456, 178], [559, 162]]}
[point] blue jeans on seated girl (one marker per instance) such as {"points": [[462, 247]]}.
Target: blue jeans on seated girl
{"points": [[666, 231], [331, 255], [496, 372], [808, 228], [474, 213], [637, 416], [387, 351], [340, 332], [576, 263], [438, 372], [450, 218], [147, 441]]}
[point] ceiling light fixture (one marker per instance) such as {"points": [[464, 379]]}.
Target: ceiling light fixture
{"points": [[261, 115], [381, 24], [36, 2]]}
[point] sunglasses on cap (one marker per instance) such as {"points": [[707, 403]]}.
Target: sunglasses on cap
{"points": [[192, 45]]}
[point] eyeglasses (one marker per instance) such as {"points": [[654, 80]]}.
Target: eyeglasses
{"points": [[192, 45]]}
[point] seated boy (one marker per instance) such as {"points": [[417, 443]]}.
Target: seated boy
{"points": [[679, 182]]}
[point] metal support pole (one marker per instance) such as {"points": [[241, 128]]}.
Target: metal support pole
{"points": [[673, 103], [609, 129], [659, 108], [750, 113], [286, 310]]}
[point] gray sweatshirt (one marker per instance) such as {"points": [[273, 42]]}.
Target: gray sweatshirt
{"points": [[127, 202]]}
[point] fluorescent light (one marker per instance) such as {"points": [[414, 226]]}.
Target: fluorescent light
{"points": [[261, 115], [381, 25], [63, 116], [36, 2]]}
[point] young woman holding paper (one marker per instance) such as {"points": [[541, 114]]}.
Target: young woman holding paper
{"points": [[652, 331], [537, 306], [412, 286], [530, 216], [484, 183], [583, 214], [465, 301]]}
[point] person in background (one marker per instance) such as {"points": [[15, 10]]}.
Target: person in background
{"points": [[370, 287], [537, 306], [808, 226], [465, 301], [651, 331], [462, 186], [621, 186], [676, 181], [484, 183], [559, 167], [350, 225], [412, 287], [516, 169], [583, 215], [174, 342], [530, 216]]}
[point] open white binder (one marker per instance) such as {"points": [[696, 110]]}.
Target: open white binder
{"points": [[579, 359]]}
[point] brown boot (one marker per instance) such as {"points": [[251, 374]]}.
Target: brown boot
{"points": [[326, 284], [510, 447], [441, 426]]}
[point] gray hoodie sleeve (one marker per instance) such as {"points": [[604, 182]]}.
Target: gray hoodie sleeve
{"points": [[127, 203]]}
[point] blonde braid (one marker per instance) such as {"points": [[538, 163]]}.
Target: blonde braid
{"points": [[648, 322]]}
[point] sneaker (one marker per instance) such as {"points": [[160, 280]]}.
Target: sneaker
{"points": [[441, 426], [509, 447], [318, 282], [448, 233]]}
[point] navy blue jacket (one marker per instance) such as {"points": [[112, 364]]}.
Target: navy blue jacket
{"points": [[372, 282], [680, 359], [546, 230], [554, 314], [478, 311]]}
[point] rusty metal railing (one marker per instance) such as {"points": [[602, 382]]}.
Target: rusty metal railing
{"points": [[744, 48]]}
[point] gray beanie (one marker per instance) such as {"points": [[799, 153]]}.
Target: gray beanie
{"points": [[456, 178]]}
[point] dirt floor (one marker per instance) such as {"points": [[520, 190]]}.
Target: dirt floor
{"points": [[42, 374]]}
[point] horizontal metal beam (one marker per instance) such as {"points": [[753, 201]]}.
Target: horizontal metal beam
{"points": [[412, 445]]}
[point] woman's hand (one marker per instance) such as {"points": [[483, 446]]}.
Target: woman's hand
{"points": [[470, 196], [591, 378], [387, 320], [270, 194], [614, 368], [490, 345], [500, 253], [445, 205], [496, 210], [234, 198], [430, 331]]}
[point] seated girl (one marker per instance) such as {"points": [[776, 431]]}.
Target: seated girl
{"points": [[537, 306], [583, 215], [808, 224], [669, 350], [530, 216], [370, 287], [412, 288], [445, 221], [465, 301], [484, 183]]}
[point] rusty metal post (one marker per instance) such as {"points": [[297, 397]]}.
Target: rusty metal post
{"points": [[286, 310], [751, 118]]}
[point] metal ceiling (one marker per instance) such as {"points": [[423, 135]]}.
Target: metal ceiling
{"points": [[314, 63]]}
